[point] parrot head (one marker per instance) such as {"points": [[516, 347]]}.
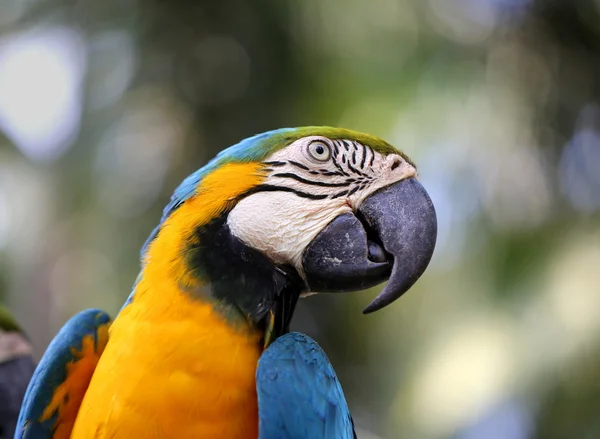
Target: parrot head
{"points": [[293, 212]]}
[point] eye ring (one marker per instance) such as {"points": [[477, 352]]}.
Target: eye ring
{"points": [[319, 151]]}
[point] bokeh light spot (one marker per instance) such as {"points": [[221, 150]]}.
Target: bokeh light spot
{"points": [[40, 96]]}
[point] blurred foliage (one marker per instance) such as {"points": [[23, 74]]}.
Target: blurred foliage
{"points": [[106, 106]]}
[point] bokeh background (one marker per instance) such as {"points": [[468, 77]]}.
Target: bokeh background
{"points": [[105, 106]]}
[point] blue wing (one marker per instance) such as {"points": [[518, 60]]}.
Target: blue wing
{"points": [[299, 395], [58, 384]]}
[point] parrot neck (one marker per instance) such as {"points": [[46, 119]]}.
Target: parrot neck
{"points": [[202, 310], [195, 251], [168, 287], [213, 267], [201, 352], [174, 354]]}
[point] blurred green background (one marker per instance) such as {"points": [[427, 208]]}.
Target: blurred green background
{"points": [[105, 106]]}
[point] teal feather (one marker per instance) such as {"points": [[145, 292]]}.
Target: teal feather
{"points": [[299, 395]]}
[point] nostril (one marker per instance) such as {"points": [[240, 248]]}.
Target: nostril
{"points": [[396, 163], [374, 246], [376, 253]]}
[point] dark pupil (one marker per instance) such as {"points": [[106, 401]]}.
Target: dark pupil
{"points": [[320, 150]]}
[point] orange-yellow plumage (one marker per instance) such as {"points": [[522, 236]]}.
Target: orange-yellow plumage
{"points": [[68, 395], [174, 366]]}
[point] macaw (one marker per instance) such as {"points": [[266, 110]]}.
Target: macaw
{"points": [[202, 348], [16, 369]]}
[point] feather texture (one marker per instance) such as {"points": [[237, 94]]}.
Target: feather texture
{"points": [[299, 395], [62, 376]]}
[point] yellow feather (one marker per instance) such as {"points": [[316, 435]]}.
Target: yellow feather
{"points": [[173, 366], [67, 396]]}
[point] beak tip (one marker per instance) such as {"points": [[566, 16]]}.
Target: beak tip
{"points": [[389, 294], [406, 222], [371, 308], [403, 220]]}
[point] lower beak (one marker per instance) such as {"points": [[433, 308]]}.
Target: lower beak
{"points": [[391, 237]]}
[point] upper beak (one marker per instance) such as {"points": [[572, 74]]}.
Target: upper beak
{"points": [[391, 237]]}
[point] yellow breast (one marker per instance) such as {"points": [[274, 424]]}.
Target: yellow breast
{"points": [[187, 376], [173, 366]]}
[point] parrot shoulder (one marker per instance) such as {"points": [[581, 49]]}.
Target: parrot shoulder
{"points": [[61, 379], [299, 394]]}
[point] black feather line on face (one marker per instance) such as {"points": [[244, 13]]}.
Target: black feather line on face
{"points": [[363, 185], [309, 182], [275, 188], [339, 168], [356, 171], [339, 194], [364, 156], [335, 150], [299, 165], [353, 190], [275, 163], [243, 282]]}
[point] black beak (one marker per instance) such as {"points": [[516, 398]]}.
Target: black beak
{"points": [[391, 237]]}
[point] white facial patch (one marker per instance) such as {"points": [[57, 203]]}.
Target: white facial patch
{"points": [[281, 224], [309, 183]]}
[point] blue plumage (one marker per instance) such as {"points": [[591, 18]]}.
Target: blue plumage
{"points": [[248, 150], [299, 395], [52, 371]]}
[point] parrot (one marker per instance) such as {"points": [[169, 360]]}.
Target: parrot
{"points": [[16, 368], [202, 347]]}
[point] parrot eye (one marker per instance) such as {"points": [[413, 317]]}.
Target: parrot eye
{"points": [[319, 151]]}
